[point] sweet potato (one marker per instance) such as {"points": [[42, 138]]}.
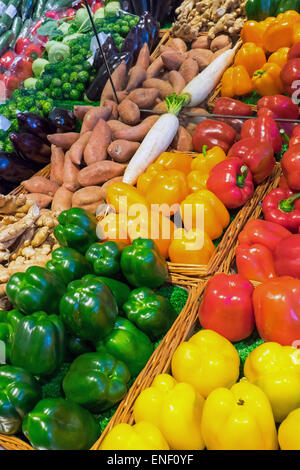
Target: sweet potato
{"points": [[143, 59], [177, 81], [220, 51], [163, 49], [129, 112], [191, 127], [220, 42], [77, 149], [93, 116], [189, 69], [42, 200], [183, 140], [64, 140], [202, 56], [173, 60], [160, 107], [202, 42], [106, 185], [143, 98], [100, 172], [80, 111], [155, 68], [96, 148], [121, 95], [112, 105], [164, 88], [62, 200], [135, 133], [40, 184], [57, 164], [88, 197], [119, 79], [70, 174], [178, 44], [137, 76], [122, 150]]}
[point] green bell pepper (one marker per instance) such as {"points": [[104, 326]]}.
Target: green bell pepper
{"points": [[97, 381], [8, 324], [259, 10], [89, 309], [150, 312], [19, 392], [59, 424], [68, 264], [77, 346], [129, 344], [36, 289], [143, 265], [105, 257], [39, 343], [76, 229], [285, 5], [119, 289]]}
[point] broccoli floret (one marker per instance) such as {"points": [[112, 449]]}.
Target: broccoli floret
{"points": [[79, 87], [47, 107], [67, 87], [176, 295], [16, 94], [47, 92], [65, 78], [77, 68], [55, 83], [76, 59], [75, 95], [39, 84], [86, 65], [57, 93], [73, 77], [53, 388], [245, 347], [14, 126], [46, 79], [29, 101], [105, 417], [83, 76]]}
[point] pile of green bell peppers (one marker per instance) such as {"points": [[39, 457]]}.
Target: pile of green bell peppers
{"points": [[259, 10]]}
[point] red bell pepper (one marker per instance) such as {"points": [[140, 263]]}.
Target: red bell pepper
{"points": [[226, 105], [226, 306], [287, 257], [294, 51], [290, 164], [263, 128], [232, 182], [257, 155], [11, 83], [211, 133], [282, 207], [21, 45], [33, 51], [295, 139], [255, 262], [259, 231], [276, 305], [283, 183], [290, 74], [281, 107], [7, 59]]}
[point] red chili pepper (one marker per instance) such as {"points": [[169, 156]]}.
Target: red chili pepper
{"points": [[255, 262], [33, 51], [282, 207], [226, 306], [257, 155], [211, 133], [281, 107], [226, 105], [290, 164], [232, 182], [263, 128], [259, 231], [287, 257], [21, 45], [7, 59]]}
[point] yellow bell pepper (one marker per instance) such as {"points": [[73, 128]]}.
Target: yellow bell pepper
{"points": [[197, 180], [144, 180], [206, 160], [289, 432], [192, 247], [236, 82], [253, 31], [175, 161], [141, 436], [206, 361], [168, 187], [175, 408], [276, 370], [123, 196], [280, 57], [204, 206], [251, 56], [238, 419], [267, 81]]}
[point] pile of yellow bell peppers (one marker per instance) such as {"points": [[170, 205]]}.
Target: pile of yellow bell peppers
{"points": [[201, 405], [252, 71], [174, 183]]}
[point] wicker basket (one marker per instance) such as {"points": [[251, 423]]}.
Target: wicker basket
{"points": [[154, 366]]}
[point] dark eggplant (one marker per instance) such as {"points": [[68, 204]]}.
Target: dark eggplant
{"points": [[109, 48], [14, 169], [140, 6], [95, 89], [143, 33], [132, 43], [161, 9], [35, 124], [63, 119], [32, 147], [153, 27]]}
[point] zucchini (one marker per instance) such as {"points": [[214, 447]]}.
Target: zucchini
{"points": [[5, 41], [16, 28], [9, 15], [39, 9]]}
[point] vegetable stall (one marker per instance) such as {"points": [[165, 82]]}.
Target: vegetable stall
{"points": [[149, 225]]}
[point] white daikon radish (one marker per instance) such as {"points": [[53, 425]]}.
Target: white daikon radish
{"points": [[157, 140], [203, 84]]}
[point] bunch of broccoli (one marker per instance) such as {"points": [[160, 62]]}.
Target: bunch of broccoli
{"points": [[117, 26], [68, 79]]}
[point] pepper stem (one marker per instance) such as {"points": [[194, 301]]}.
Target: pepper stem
{"points": [[175, 103], [240, 179], [285, 136], [204, 150], [287, 205], [259, 73]]}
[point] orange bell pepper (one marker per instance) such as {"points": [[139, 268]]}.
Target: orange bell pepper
{"points": [[251, 56], [197, 180], [280, 57], [278, 34], [236, 82], [204, 210], [291, 16], [175, 161], [192, 247], [144, 180], [267, 81], [253, 31], [167, 187], [122, 196]]}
